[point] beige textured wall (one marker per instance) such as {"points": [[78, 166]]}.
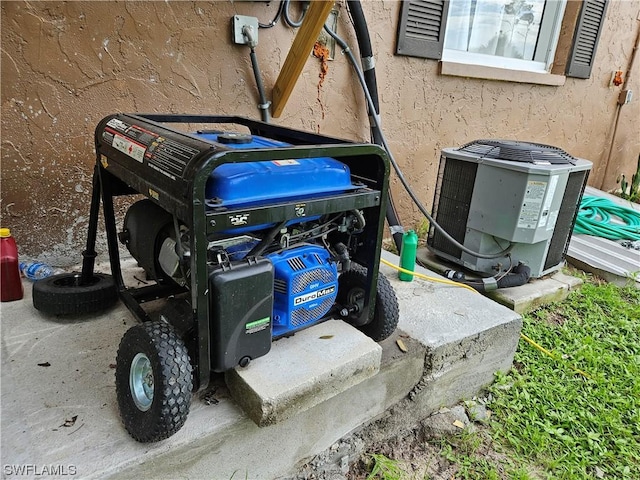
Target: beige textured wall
{"points": [[67, 65]]}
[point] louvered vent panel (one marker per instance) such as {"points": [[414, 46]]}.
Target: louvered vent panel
{"points": [[296, 264], [424, 20], [452, 203], [586, 38], [421, 28]]}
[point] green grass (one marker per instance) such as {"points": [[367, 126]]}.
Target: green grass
{"points": [[474, 454], [571, 426], [384, 468], [463, 450], [549, 421]]}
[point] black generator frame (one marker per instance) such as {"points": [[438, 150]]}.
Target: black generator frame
{"points": [[117, 174]]}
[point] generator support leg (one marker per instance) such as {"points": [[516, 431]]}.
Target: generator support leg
{"points": [[111, 229], [87, 292], [89, 254], [108, 189]]}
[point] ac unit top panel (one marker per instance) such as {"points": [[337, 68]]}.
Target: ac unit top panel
{"points": [[517, 151], [539, 167]]}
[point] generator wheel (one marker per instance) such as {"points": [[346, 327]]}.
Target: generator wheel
{"points": [[153, 381], [63, 294], [351, 289]]}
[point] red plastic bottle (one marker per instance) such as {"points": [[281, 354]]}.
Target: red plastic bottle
{"points": [[10, 281]]}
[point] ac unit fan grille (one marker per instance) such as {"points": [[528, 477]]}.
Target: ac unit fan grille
{"points": [[452, 204], [514, 151], [569, 207]]}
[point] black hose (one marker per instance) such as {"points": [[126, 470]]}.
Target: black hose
{"points": [[366, 51], [520, 275], [369, 74]]}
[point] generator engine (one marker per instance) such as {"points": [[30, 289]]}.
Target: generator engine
{"points": [[306, 266]]}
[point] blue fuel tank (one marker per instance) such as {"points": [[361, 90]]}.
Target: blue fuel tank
{"points": [[259, 183]]}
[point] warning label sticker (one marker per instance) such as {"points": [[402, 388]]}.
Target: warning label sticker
{"points": [[532, 204], [169, 157], [551, 191], [131, 148], [166, 156]]}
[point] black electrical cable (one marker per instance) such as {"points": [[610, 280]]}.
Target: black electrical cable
{"points": [[287, 18], [264, 103], [273, 22], [396, 167]]}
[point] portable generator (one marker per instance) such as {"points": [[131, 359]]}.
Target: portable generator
{"points": [[248, 236]]}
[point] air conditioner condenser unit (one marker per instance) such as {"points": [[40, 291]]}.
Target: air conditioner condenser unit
{"points": [[491, 194]]}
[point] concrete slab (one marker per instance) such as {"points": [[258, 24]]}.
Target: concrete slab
{"points": [[468, 338], [65, 414], [538, 292], [218, 440], [304, 370]]}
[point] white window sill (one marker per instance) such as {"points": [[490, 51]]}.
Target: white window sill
{"points": [[467, 70]]}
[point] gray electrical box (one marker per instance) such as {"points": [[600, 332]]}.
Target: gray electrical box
{"points": [[238, 24], [494, 193]]}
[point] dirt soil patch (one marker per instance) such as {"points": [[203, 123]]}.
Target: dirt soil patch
{"points": [[446, 445]]}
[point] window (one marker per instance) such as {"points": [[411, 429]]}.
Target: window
{"points": [[509, 34], [521, 34]]}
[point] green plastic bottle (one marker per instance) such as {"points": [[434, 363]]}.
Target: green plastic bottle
{"points": [[408, 255]]}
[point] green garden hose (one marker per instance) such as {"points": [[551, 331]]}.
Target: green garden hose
{"points": [[594, 219]]}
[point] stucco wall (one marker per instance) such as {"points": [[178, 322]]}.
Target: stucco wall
{"points": [[67, 65]]}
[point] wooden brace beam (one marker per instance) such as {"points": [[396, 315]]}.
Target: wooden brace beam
{"points": [[296, 58]]}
